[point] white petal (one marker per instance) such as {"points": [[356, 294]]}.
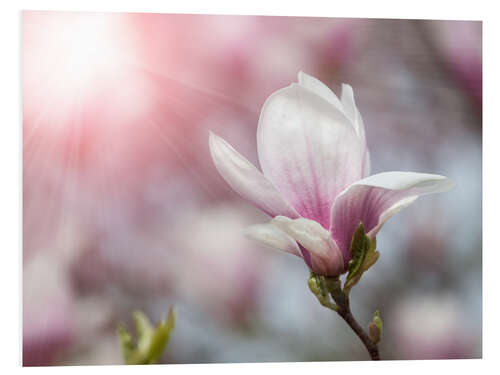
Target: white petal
{"points": [[347, 98], [373, 200], [425, 183], [271, 235], [351, 111], [367, 164], [308, 149], [247, 180], [322, 253], [308, 233], [319, 88], [347, 106]]}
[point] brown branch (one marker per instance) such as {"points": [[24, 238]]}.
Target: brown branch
{"points": [[323, 287], [345, 313]]}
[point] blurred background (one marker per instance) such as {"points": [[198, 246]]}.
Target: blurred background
{"points": [[124, 210]]}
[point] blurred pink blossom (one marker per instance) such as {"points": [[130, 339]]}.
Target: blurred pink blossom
{"points": [[460, 45], [430, 327], [213, 265], [47, 311]]}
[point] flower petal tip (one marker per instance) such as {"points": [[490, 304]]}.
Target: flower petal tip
{"points": [[216, 146], [435, 183], [212, 137], [301, 76], [448, 184]]}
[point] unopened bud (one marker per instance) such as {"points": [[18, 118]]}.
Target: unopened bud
{"points": [[375, 328], [378, 320], [313, 285], [374, 332]]}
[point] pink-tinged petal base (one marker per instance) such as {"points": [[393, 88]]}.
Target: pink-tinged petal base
{"points": [[373, 200]]}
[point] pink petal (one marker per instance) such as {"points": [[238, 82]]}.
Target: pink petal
{"points": [[247, 180], [308, 149], [373, 200]]}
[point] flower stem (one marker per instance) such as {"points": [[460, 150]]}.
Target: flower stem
{"points": [[323, 287], [345, 312]]}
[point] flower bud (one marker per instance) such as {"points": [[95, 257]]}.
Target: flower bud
{"points": [[374, 332], [375, 328], [313, 285]]}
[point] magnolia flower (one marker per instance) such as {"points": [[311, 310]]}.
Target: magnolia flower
{"points": [[315, 162]]}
